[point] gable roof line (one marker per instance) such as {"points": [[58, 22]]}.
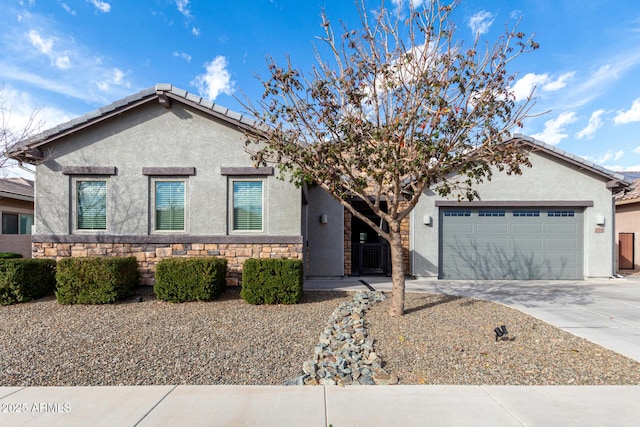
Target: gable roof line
{"points": [[21, 150], [618, 178], [14, 189]]}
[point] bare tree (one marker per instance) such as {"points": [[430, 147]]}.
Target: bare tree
{"points": [[11, 133], [397, 108]]}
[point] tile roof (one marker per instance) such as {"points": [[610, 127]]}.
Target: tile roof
{"points": [[21, 149], [632, 195], [572, 158]]}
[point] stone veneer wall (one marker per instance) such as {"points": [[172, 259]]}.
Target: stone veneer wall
{"points": [[149, 254], [347, 242]]}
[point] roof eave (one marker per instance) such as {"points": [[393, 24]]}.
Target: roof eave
{"points": [[615, 181]]}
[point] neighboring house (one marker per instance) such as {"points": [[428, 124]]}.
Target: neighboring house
{"points": [[16, 208], [164, 173], [628, 228]]}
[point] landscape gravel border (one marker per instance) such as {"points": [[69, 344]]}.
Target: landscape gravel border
{"points": [[441, 340]]}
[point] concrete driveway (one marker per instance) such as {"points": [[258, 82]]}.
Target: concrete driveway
{"points": [[606, 311]]}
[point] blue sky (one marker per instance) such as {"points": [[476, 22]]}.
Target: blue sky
{"points": [[68, 57]]}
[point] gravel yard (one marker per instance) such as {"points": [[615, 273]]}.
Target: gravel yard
{"points": [[441, 340], [450, 340]]}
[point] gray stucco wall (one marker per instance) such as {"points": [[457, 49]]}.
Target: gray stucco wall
{"points": [[153, 136], [548, 179], [324, 243]]}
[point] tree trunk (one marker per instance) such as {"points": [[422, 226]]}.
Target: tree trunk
{"points": [[397, 272]]}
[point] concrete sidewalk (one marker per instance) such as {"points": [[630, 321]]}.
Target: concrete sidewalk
{"points": [[320, 406], [603, 311]]}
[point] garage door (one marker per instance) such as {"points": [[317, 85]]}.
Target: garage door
{"points": [[517, 243]]}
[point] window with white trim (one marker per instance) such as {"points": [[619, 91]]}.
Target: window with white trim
{"points": [[247, 205], [169, 204], [91, 204]]}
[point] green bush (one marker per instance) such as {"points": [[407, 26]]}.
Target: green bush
{"points": [[96, 280], [272, 281], [190, 279], [9, 255], [24, 279]]}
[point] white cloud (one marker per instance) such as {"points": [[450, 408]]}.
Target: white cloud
{"points": [[183, 8], [215, 80], [102, 6], [114, 77], [195, 31], [606, 157], [182, 55], [22, 106], [45, 46], [481, 22], [637, 150], [554, 129], [68, 9], [541, 82], [595, 122], [629, 116], [558, 83], [601, 80], [415, 3]]}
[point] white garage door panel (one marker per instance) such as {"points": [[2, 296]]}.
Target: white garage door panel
{"points": [[488, 228], [505, 243], [527, 228], [567, 243]]}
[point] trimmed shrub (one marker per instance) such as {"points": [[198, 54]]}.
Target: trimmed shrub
{"points": [[96, 280], [272, 281], [9, 255], [190, 279], [22, 279]]}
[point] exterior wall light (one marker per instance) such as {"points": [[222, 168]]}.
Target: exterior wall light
{"points": [[427, 220], [324, 219]]}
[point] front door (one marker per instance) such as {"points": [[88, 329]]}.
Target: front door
{"points": [[625, 251]]}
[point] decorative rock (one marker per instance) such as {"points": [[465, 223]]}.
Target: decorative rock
{"points": [[296, 381], [345, 354], [309, 368], [383, 378], [366, 380]]}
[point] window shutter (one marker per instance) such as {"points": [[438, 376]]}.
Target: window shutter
{"points": [[169, 197], [247, 205], [92, 205]]}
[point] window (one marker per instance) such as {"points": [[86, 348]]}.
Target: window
{"points": [[91, 205], [169, 199], [561, 213], [523, 213], [13, 223], [491, 212], [457, 213], [247, 205]]}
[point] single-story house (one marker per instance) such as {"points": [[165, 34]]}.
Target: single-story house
{"points": [[16, 209], [628, 227], [164, 173]]}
